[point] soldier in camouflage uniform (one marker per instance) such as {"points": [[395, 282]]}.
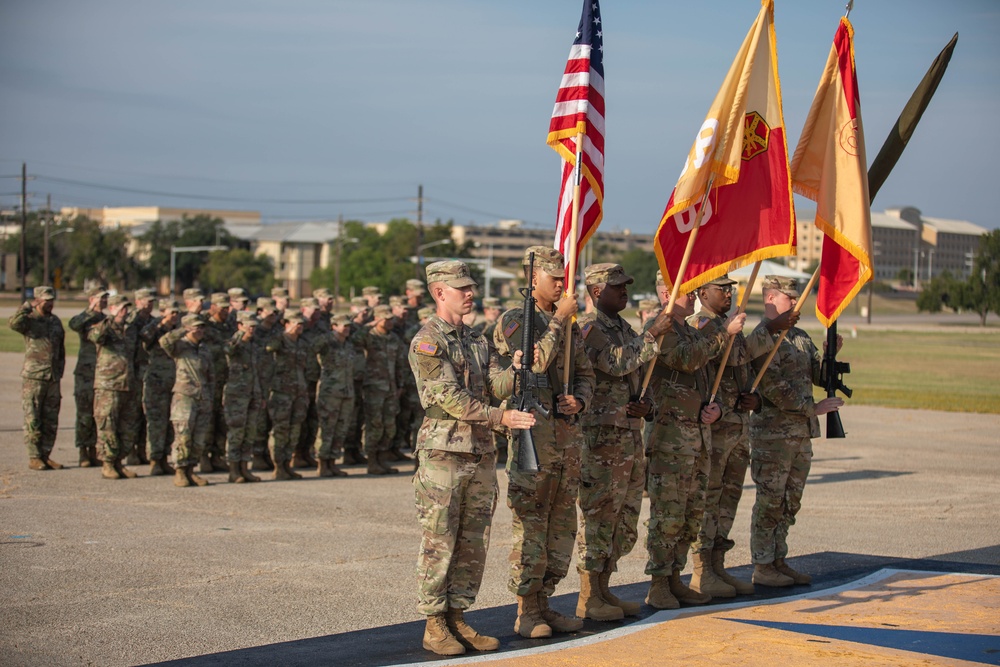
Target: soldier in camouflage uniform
{"points": [[372, 296], [543, 504], [408, 399], [455, 486], [191, 407], [238, 302], [142, 315], [679, 445], [44, 363], [194, 302], [336, 392], [730, 453], [326, 301], [217, 335], [415, 291], [306, 445], [83, 376], [288, 401], [117, 411], [613, 461], [385, 364], [281, 299], [647, 310], [267, 329], [360, 315], [781, 432], [242, 398], [158, 385]]}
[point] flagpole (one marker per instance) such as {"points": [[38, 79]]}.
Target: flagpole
{"points": [[774, 350], [675, 291], [739, 309], [573, 233]]}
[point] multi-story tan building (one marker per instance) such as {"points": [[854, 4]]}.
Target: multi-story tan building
{"points": [[130, 216]]}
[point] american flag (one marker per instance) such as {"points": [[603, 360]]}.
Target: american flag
{"points": [[579, 110]]}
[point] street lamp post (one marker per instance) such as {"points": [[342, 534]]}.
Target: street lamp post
{"points": [[48, 236], [191, 248]]}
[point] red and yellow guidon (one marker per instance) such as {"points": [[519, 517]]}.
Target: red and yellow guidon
{"points": [[755, 135]]}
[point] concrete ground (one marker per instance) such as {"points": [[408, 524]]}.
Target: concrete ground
{"points": [[321, 571]]}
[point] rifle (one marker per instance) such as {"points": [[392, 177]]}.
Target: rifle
{"points": [[526, 381], [832, 375]]}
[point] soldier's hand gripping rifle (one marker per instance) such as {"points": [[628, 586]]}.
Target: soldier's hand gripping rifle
{"points": [[832, 375], [526, 381]]}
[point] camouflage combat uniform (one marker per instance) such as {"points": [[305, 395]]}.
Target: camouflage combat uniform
{"points": [[679, 446], [158, 385], [217, 335], [310, 426], [44, 363], [117, 411], [352, 448], [544, 503], [782, 451], [83, 378], [191, 407], [139, 319], [242, 397], [335, 399], [384, 375], [455, 484], [613, 469], [287, 402], [261, 337]]}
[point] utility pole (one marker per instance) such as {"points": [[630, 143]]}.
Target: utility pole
{"points": [[420, 228], [48, 217], [24, 228], [336, 268]]}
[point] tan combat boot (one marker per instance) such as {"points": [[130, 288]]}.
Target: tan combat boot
{"points": [[781, 566], [529, 623], [324, 468], [398, 454], [52, 465], [334, 470], [685, 594], [193, 478], [704, 581], [281, 472], [719, 566], [767, 575], [85, 458], [235, 476], [604, 579], [288, 469], [384, 459], [160, 466], [558, 622], [245, 472], [109, 471], [659, 596], [467, 635], [591, 604], [181, 478], [438, 638], [37, 464], [123, 471]]}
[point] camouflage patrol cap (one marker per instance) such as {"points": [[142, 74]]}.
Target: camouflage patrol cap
{"points": [[660, 282], [340, 318], [649, 304], [425, 312], [370, 290], [415, 285], [383, 311], [722, 281], [265, 303], [396, 301], [547, 259], [452, 273], [322, 293], [220, 299], [96, 291], [118, 299], [45, 293], [237, 294], [308, 302], [491, 302], [359, 301], [168, 304], [193, 294], [294, 315], [279, 292], [606, 273], [247, 317], [143, 293], [191, 321], [783, 284]]}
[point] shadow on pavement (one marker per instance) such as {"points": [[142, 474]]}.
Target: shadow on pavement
{"points": [[401, 643]]}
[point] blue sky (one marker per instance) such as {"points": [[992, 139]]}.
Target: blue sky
{"points": [[300, 109]]}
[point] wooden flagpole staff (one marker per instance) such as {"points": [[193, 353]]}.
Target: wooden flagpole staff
{"points": [[729, 348], [774, 350], [573, 233], [682, 269]]}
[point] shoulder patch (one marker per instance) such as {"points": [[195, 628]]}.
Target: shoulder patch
{"points": [[702, 321], [511, 328], [429, 349], [586, 329]]}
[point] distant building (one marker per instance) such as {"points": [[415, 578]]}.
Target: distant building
{"points": [[130, 216]]}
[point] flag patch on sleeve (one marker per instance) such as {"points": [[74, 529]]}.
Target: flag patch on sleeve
{"points": [[702, 321], [511, 328], [586, 328], [427, 348]]}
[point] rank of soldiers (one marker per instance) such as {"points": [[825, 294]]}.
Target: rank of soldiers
{"points": [[224, 384]]}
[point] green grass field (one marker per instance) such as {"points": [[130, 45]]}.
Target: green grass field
{"points": [[957, 372]]}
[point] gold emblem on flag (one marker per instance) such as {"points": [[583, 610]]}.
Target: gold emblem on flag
{"points": [[755, 135], [849, 137]]}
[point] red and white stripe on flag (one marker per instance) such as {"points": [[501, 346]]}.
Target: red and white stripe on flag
{"points": [[579, 115]]}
